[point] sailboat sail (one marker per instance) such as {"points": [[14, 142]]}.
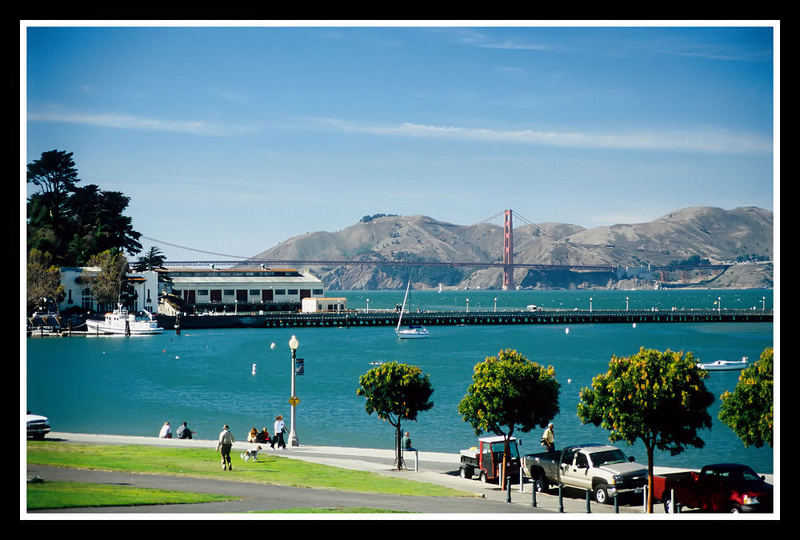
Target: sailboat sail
{"points": [[413, 331]]}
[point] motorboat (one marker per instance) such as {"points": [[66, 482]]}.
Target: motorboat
{"points": [[413, 331], [121, 322], [724, 365]]}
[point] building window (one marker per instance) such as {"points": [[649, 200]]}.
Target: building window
{"points": [[318, 291], [292, 291], [255, 292], [280, 292], [227, 292], [86, 299], [202, 292]]}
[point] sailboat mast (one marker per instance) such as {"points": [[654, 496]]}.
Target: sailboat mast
{"points": [[400, 318]]}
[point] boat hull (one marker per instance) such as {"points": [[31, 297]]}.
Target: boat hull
{"points": [[723, 366], [99, 327]]}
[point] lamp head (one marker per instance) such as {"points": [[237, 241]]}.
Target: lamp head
{"points": [[293, 343]]}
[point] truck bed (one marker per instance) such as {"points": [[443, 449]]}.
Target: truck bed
{"points": [[662, 484]]}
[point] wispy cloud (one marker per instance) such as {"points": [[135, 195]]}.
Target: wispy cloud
{"points": [[116, 121], [709, 140]]}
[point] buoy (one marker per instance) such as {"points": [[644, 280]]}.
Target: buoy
{"points": [[272, 345], [569, 381], [566, 330], [254, 369], [634, 325], [177, 357]]}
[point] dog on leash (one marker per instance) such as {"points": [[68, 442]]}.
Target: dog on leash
{"points": [[251, 454]]}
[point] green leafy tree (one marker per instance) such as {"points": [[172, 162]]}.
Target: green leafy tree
{"points": [[44, 281], [110, 284], [657, 397], [509, 391], [396, 392], [73, 222], [748, 410], [152, 260]]}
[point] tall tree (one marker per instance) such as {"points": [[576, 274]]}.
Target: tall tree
{"points": [[507, 391], [749, 409], [396, 392], [44, 281], [73, 222], [657, 397]]}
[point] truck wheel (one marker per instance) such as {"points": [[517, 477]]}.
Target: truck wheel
{"points": [[466, 472], [601, 494], [483, 477]]}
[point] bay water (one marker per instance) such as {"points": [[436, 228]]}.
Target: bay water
{"points": [[242, 377]]}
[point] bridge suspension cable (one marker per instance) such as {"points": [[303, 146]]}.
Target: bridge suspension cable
{"points": [[193, 249]]}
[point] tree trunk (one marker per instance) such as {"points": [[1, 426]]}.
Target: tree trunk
{"points": [[398, 452], [649, 480]]}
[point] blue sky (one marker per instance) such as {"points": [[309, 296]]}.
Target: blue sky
{"points": [[233, 138]]}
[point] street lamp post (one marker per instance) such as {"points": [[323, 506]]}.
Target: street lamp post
{"points": [[293, 441]]}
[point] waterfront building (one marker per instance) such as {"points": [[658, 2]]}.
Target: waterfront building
{"points": [[245, 289], [78, 294], [324, 305]]}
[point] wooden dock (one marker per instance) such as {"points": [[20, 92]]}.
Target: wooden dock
{"points": [[355, 319]]}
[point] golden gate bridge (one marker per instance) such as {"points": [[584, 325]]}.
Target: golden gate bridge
{"points": [[507, 264]]}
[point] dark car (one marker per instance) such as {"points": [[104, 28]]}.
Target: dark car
{"points": [[722, 487], [746, 490]]}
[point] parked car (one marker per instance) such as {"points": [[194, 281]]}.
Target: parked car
{"points": [[38, 426], [598, 467], [723, 487]]}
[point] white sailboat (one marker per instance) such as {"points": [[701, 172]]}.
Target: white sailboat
{"points": [[412, 331]]}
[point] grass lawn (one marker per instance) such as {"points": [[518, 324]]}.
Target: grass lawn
{"points": [[204, 463], [48, 495]]}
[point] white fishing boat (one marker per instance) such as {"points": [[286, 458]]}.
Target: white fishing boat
{"points": [[121, 322], [724, 365], [413, 331]]}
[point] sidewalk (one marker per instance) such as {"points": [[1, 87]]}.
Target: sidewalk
{"points": [[433, 467]]}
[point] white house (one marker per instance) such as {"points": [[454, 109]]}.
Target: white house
{"points": [[78, 294], [326, 305]]}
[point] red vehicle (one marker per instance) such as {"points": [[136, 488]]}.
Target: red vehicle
{"points": [[724, 487], [487, 459]]}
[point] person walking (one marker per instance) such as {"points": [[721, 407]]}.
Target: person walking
{"points": [[549, 438], [224, 444], [277, 433]]}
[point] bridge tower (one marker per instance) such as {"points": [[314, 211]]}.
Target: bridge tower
{"points": [[508, 252]]}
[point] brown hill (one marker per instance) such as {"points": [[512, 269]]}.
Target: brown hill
{"points": [[709, 233]]}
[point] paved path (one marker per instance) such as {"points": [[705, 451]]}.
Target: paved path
{"points": [[433, 467]]}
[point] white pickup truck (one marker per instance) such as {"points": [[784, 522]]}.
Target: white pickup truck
{"points": [[601, 468]]}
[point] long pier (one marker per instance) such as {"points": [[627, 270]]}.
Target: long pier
{"points": [[358, 319]]}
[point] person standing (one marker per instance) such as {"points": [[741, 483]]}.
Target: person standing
{"points": [[224, 444], [277, 433], [549, 438]]}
